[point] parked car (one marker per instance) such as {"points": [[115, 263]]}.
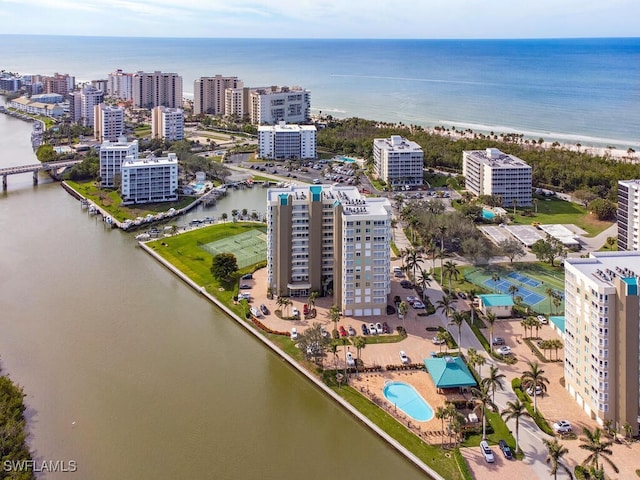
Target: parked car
{"points": [[379, 328], [418, 305], [295, 312], [245, 286], [406, 284], [386, 328], [462, 295], [398, 274], [351, 330], [365, 330], [294, 334], [487, 452], [248, 276], [305, 309], [438, 340], [264, 309], [411, 299], [372, 329], [498, 341], [562, 426], [542, 319], [403, 357], [343, 331], [506, 350], [244, 296], [350, 360], [255, 312], [506, 451], [538, 391]]}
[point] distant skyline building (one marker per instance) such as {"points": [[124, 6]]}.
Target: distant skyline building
{"points": [[602, 347], [209, 94], [237, 102], [82, 105], [271, 105], [167, 123], [628, 215], [398, 161], [58, 83], [491, 172], [150, 180], [284, 141], [10, 83], [108, 123], [157, 89], [112, 156], [333, 240], [120, 85]]}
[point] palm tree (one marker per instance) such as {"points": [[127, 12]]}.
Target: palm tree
{"points": [[535, 204], [281, 301], [441, 414], [514, 203], [450, 412], [174, 229], [555, 452], [514, 411], [413, 260], [360, 343], [441, 255], [442, 229], [432, 251], [482, 398], [513, 289], [424, 281], [450, 270], [491, 320], [494, 380], [446, 305], [550, 293], [532, 379], [598, 449], [312, 298], [496, 278], [458, 319], [334, 314]]}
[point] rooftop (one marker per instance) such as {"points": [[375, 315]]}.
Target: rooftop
{"points": [[496, 300], [604, 267], [449, 372], [496, 158]]}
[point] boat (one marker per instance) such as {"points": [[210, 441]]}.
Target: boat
{"points": [[143, 237]]}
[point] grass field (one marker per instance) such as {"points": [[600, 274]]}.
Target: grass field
{"points": [[554, 210]]}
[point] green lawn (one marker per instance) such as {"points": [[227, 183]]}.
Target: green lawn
{"points": [[554, 210]]}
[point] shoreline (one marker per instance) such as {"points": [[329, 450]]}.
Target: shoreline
{"points": [[304, 372]]}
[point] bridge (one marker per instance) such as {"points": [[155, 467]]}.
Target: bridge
{"points": [[35, 168]]}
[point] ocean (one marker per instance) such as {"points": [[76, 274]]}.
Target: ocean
{"points": [[583, 91]]}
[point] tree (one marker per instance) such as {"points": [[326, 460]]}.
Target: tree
{"points": [[494, 380], [312, 298], [334, 314], [424, 281], [513, 289], [598, 449], [511, 248], [413, 260], [495, 278], [457, 318], [312, 343], [360, 343], [476, 359], [446, 305], [603, 209], [532, 379], [224, 265], [450, 270], [441, 414], [491, 320], [555, 453], [174, 229], [514, 411], [482, 398]]}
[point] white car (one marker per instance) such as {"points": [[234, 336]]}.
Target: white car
{"points": [[542, 319], [403, 357], [244, 296], [411, 299], [295, 312], [255, 312], [372, 329], [438, 340], [294, 334], [538, 391], [487, 453], [350, 360], [506, 350], [379, 328], [562, 426]]}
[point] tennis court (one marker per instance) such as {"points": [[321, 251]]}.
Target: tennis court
{"points": [[524, 279], [248, 247], [502, 285]]}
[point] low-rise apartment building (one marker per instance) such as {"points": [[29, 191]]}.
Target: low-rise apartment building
{"points": [[283, 141], [112, 156], [150, 180]]}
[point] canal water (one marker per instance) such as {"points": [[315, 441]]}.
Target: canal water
{"points": [[132, 375]]}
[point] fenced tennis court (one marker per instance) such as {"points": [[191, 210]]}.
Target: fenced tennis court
{"points": [[248, 247], [524, 279]]}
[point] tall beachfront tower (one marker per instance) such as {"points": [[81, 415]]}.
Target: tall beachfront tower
{"points": [[82, 105], [167, 123], [268, 106], [236, 102], [602, 347], [120, 85], [333, 240], [150, 180], [283, 141], [209, 94], [112, 156], [108, 122], [628, 216], [491, 172], [156, 89], [398, 161]]}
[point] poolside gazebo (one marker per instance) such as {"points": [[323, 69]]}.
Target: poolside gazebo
{"points": [[449, 373]]}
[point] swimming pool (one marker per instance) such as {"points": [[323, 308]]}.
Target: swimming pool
{"points": [[407, 399], [488, 214], [347, 159]]}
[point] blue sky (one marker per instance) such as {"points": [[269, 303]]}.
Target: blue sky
{"points": [[324, 18]]}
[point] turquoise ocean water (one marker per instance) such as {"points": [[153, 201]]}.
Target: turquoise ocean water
{"points": [[571, 90]]}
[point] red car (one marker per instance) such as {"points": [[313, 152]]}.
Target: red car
{"points": [[343, 332], [305, 309]]}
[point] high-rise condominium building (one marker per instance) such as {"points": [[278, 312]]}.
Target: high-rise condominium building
{"points": [[58, 83], [629, 215], [167, 123], [275, 104], [108, 122], [602, 348], [491, 172], [398, 161], [120, 85], [112, 156], [237, 102], [209, 94], [149, 180], [82, 105], [157, 89], [284, 141], [333, 240]]}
